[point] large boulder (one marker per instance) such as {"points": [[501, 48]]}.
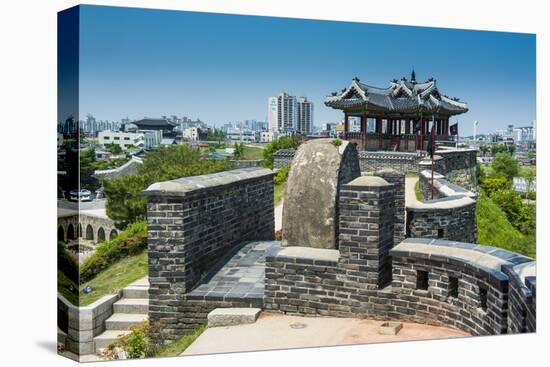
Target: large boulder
{"points": [[310, 209]]}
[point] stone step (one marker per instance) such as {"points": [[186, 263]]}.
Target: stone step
{"points": [[232, 316], [131, 305], [122, 321], [135, 292], [106, 338]]}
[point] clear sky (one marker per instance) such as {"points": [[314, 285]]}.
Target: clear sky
{"points": [[221, 68]]}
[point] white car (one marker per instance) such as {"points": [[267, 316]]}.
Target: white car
{"points": [[82, 195]]}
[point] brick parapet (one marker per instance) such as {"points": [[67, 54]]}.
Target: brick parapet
{"points": [[195, 221]]}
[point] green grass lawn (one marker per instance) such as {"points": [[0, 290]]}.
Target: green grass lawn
{"points": [[115, 277], [63, 284], [179, 345], [279, 192], [494, 229], [252, 153], [418, 192]]}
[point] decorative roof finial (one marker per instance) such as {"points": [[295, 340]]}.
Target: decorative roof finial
{"points": [[413, 76]]}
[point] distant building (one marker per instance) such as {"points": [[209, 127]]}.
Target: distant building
{"points": [[241, 135], [304, 122], [152, 138], [284, 117], [122, 139], [265, 136], [161, 124]]}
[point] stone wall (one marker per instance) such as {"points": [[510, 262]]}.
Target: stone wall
{"points": [[101, 228], [436, 282], [246, 163], [522, 302], [398, 180], [81, 324], [192, 223], [368, 161], [283, 157], [460, 167], [399, 161], [450, 215]]}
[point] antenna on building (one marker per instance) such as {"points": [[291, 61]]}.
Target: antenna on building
{"points": [[475, 129]]}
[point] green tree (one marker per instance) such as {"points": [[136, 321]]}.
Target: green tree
{"points": [[493, 184], [238, 151], [125, 200], [113, 148], [529, 175], [530, 154], [505, 165], [484, 149], [498, 148], [285, 142], [87, 161], [510, 203]]}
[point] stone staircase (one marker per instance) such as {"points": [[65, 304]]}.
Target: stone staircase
{"points": [[130, 309]]}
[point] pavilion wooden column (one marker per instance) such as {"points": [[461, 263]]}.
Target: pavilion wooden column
{"points": [[346, 125], [363, 130], [379, 131]]}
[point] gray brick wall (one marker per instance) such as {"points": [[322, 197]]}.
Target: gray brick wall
{"points": [[398, 180], [306, 286], [367, 207], [192, 223]]}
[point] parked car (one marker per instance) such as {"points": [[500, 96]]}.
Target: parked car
{"points": [[82, 195]]}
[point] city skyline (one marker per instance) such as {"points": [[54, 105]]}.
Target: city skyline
{"points": [[138, 62]]}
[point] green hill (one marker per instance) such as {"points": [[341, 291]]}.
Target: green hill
{"points": [[494, 229]]}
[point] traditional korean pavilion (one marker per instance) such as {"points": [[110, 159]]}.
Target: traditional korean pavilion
{"points": [[397, 118]]}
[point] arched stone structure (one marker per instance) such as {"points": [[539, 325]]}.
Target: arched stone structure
{"points": [[89, 232], [100, 235], [70, 232], [89, 227], [61, 234], [112, 234]]}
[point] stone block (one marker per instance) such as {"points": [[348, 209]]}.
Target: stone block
{"points": [[232, 316]]}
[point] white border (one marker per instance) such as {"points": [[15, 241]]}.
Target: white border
{"points": [[28, 166]]}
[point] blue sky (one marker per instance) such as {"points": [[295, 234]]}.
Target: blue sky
{"points": [[221, 68]]}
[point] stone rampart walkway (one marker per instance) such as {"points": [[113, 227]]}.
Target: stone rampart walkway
{"points": [[239, 275]]}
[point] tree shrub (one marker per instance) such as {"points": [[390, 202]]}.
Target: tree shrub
{"points": [[281, 175], [493, 184], [125, 200], [129, 242], [285, 142], [505, 165]]}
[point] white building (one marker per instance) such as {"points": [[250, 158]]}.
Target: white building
{"points": [[304, 116], [121, 138], [240, 135], [191, 133], [285, 115], [152, 138], [265, 136]]}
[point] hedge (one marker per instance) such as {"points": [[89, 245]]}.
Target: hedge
{"points": [[129, 242]]}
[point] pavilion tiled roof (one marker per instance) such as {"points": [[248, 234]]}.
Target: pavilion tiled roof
{"points": [[153, 122], [400, 96]]}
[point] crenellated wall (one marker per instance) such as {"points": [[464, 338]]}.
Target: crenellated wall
{"points": [[450, 215], [522, 297], [434, 281], [192, 223]]}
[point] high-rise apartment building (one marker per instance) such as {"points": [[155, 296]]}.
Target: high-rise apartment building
{"points": [[305, 116], [286, 114]]}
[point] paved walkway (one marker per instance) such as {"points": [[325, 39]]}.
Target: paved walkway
{"points": [[279, 216], [275, 331], [239, 275], [410, 196]]}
